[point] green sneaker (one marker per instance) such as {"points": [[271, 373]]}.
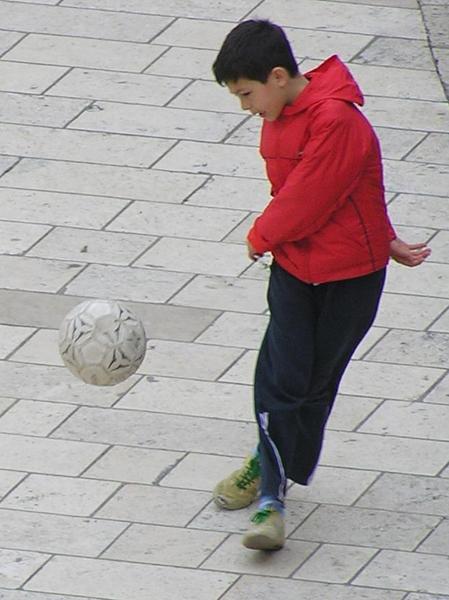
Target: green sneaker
{"points": [[240, 488], [267, 531]]}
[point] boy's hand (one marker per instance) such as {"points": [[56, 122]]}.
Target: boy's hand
{"points": [[410, 255], [253, 255]]}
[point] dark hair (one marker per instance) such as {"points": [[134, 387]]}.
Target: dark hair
{"points": [[252, 50]]}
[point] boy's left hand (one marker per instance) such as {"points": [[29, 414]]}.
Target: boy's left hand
{"points": [[410, 255]]}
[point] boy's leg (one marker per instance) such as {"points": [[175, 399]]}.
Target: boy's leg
{"points": [[283, 302], [282, 378], [347, 311], [311, 337]]}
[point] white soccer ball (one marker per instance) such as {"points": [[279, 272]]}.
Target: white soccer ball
{"points": [[102, 342]]}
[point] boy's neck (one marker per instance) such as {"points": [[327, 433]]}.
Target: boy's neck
{"points": [[297, 86]]}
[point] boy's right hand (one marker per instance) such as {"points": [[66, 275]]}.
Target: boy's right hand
{"points": [[252, 254], [410, 255]]}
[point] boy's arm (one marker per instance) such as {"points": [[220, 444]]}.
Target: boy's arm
{"points": [[331, 164]]}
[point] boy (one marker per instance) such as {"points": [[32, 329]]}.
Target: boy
{"points": [[328, 231]]}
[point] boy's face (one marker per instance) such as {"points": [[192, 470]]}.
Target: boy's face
{"points": [[264, 99]]}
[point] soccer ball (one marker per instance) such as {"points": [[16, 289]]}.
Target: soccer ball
{"points": [[102, 342]]}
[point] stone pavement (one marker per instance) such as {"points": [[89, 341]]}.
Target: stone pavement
{"points": [[126, 172]]}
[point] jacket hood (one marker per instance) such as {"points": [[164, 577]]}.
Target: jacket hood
{"points": [[330, 80]]}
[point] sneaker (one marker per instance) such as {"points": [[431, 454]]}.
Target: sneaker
{"points": [[267, 531], [240, 488]]}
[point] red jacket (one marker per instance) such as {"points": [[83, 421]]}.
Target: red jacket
{"points": [[327, 219]]}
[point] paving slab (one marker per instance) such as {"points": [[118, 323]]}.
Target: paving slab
{"points": [[154, 504], [437, 542], [133, 465], [408, 493], [21, 595], [35, 418], [350, 411], [158, 431], [440, 246], [39, 110], [11, 337], [220, 293], [127, 581], [415, 115], [9, 39], [101, 180], [193, 471], [409, 312], [160, 320], [407, 571], [200, 9], [200, 157], [55, 384], [232, 192], [334, 563], [236, 329], [439, 394], [39, 532], [82, 52], [195, 256], [81, 146], [118, 87], [231, 557], [366, 527], [175, 395], [397, 143], [157, 121], [17, 238], [6, 403], [27, 78], [326, 488], [377, 20], [43, 455], [164, 219], [410, 347], [85, 23], [6, 163], [259, 587], [396, 52], [138, 285], [211, 517], [8, 480], [91, 246], [413, 209], [192, 63], [416, 419], [385, 380], [59, 495], [384, 453], [189, 360], [430, 281], [36, 274], [72, 210], [160, 545], [18, 566]]}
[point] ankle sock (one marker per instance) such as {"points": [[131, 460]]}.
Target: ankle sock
{"points": [[271, 502]]}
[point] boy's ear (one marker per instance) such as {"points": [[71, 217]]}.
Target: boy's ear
{"points": [[279, 76]]}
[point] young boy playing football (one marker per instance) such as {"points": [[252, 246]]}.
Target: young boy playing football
{"points": [[327, 229]]}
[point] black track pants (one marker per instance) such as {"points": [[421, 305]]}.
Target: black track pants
{"points": [[311, 336]]}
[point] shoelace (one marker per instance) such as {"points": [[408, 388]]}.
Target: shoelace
{"points": [[250, 474], [261, 515]]}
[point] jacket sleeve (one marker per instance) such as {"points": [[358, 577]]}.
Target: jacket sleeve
{"points": [[332, 161]]}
